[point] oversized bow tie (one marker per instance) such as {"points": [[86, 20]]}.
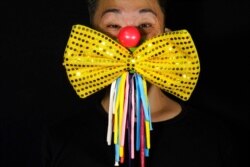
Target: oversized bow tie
{"points": [[94, 61]]}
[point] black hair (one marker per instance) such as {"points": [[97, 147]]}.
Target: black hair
{"points": [[92, 5]]}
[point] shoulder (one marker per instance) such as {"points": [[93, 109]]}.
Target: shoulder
{"points": [[72, 125], [214, 129], [57, 133], [198, 115], [205, 123], [64, 127], [72, 129]]}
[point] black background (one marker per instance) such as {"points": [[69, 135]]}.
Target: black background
{"points": [[35, 90]]}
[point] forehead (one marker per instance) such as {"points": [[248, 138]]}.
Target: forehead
{"points": [[128, 5]]}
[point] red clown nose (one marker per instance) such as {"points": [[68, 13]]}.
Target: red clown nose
{"points": [[129, 36]]}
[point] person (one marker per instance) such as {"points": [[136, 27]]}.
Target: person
{"points": [[181, 136]]}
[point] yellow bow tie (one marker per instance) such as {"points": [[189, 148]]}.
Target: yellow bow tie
{"points": [[93, 61]]}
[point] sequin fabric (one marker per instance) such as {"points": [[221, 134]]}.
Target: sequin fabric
{"points": [[93, 61]]}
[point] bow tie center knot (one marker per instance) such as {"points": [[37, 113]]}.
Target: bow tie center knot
{"points": [[131, 65]]}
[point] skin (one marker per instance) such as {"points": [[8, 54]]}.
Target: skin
{"points": [[147, 16]]}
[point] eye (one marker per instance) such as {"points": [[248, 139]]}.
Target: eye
{"points": [[144, 26], [114, 26]]}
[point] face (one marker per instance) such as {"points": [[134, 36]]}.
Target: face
{"points": [[112, 15]]}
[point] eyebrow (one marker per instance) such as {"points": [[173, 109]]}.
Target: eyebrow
{"points": [[117, 11], [147, 10], [111, 10]]}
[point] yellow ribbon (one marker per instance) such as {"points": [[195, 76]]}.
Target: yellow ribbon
{"points": [[93, 61]]}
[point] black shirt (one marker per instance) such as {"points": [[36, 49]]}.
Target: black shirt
{"points": [[191, 139]]}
